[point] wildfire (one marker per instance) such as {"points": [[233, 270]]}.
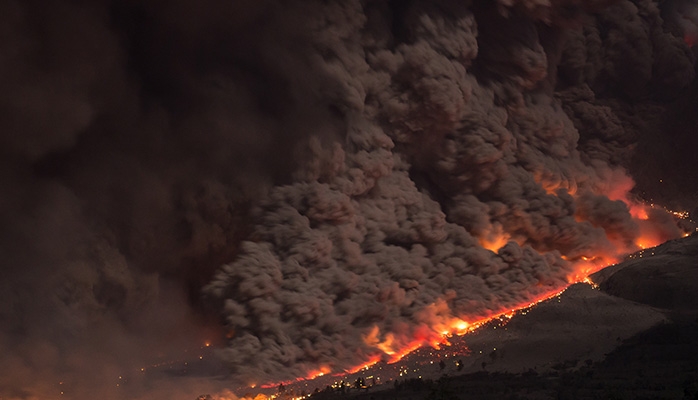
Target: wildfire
{"points": [[317, 373], [586, 266], [437, 334], [437, 323], [495, 243], [442, 324]]}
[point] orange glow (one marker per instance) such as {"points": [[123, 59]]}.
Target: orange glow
{"points": [[650, 218], [494, 238], [645, 242], [586, 266], [638, 211], [552, 185], [393, 347], [443, 326], [387, 345], [494, 242], [324, 370], [405, 351]]}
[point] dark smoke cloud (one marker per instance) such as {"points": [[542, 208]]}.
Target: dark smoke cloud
{"points": [[453, 137], [366, 150], [134, 139]]}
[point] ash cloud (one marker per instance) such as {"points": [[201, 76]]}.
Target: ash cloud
{"points": [[319, 169], [135, 137], [462, 124]]}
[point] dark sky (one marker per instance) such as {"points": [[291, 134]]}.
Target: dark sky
{"points": [[346, 164]]}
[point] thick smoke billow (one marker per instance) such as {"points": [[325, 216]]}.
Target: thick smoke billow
{"points": [[465, 128], [322, 178]]}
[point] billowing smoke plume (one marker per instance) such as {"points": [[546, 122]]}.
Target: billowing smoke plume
{"points": [[458, 137], [369, 170]]}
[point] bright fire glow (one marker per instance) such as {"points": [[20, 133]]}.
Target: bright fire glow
{"points": [[638, 211], [495, 238], [371, 362], [586, 266]]}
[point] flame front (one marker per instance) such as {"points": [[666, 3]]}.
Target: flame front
{"points": [[495, 239], [394, 348]]}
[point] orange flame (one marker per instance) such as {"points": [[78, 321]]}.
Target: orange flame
{"points": [[650, 218], [494, 242], [586, 266], [371, 362]]}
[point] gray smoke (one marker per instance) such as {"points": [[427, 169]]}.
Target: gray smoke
{"points": [[348, 161], [453, 135]]}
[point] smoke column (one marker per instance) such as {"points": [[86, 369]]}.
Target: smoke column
{"points": [[458, 187], [319, 183]]}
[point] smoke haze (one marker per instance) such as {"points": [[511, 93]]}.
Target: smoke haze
{"points": [[312, 183]]}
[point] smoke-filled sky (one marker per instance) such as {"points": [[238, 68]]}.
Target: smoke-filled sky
{"points": [[311, 183]]}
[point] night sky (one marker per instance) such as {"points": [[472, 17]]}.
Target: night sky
{"points": [[305, 184]]}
